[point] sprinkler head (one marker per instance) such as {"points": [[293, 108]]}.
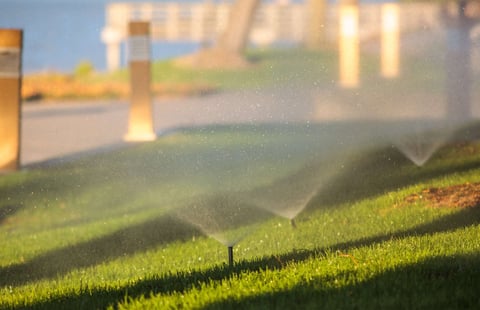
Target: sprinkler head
{"points": [[230, 256], [292, 222]]}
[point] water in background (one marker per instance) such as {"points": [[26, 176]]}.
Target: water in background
{"points": [[58, 34]]}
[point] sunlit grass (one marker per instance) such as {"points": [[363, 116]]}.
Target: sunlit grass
{"points": [[100, 231]]}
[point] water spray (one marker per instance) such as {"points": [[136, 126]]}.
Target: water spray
{"points": [[230, 256]]}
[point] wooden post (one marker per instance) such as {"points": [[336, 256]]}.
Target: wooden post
{"points": [[10, 98], [349, 44], [316, 28], [141, 119], [390, 40]]}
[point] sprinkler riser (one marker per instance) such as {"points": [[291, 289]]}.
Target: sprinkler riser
{"points": [[230, 256], [292, 222]]}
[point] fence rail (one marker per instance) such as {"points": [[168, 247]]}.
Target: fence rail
{"points": [[273, 22]]}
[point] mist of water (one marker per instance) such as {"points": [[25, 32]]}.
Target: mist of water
{"points": [[254, 171], [288, 196], [223, 216], [420, 143]]}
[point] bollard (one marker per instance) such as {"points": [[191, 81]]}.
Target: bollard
{"points": [[140, 126], [315, 22], [390, 40], [10, 98], [230, 256], [349, 44]]}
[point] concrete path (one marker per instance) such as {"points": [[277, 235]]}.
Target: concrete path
{"points": [[52, 131]]}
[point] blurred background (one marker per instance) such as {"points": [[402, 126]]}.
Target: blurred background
{"points": [[59, 34]]}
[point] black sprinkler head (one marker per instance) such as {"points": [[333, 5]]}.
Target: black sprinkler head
{"points": [[230, 256]]}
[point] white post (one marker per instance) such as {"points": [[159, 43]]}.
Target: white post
{"points": [[173, 21], [349, 44], [112, 38], [197, 25], [390, 40]]}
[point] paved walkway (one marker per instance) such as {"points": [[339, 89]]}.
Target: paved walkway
{"points": [[58, 130]]}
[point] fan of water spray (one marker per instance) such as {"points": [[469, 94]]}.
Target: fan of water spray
{"points": [[223, 216], [288, 196], [422, 141]]}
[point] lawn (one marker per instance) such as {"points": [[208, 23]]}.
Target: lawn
{"points": [[148, 225], [322, 214]]}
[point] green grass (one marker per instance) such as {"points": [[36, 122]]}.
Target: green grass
{"points": [[422, 73], [277, 67], [269, 67], [102, 231]]}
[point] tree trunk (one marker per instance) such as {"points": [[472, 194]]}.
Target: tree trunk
{"points": [[235, 37], [228, 51]]}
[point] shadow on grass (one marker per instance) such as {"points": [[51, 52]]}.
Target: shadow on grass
{"points": [[369, 175], [8, 210], [346, 187], [448, 272], [124, 242], [439, 283], [215, 217]]}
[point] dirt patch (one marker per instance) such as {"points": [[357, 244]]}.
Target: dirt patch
{"points": [[457, 196]]}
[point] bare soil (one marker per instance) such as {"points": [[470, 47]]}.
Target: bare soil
{"points": [[456, 196]]}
